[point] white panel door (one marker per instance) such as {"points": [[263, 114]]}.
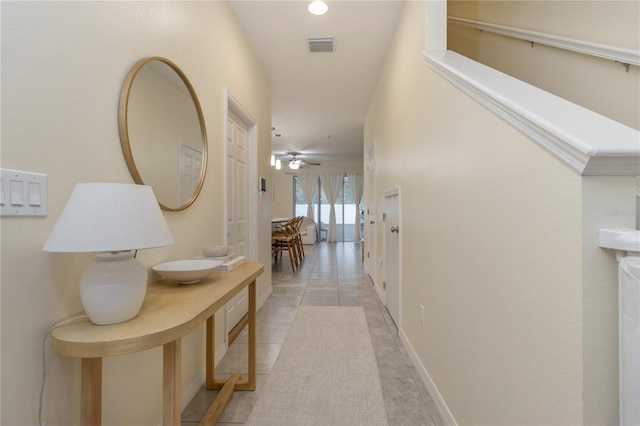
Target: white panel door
{"points": [[370, 217], [190, 166], [237, 207], [392, 255]]}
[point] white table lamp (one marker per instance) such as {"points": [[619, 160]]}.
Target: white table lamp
{"points": [[115, 219]]}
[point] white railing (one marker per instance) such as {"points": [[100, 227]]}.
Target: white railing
{"points": [[626, 57]]}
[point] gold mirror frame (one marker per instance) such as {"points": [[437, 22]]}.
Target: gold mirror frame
{"points": [[124, 127]]}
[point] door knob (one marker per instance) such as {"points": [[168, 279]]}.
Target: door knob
{"points": [[371, 222], [395, 229]]}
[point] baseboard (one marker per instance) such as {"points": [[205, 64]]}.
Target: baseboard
{"points": [[264, 297], [190, 391], [380, 292], [443, 410]]}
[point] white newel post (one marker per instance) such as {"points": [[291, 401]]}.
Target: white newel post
{"points": [[626, 242]]}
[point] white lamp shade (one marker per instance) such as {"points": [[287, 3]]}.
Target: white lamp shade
{"points": [[109, 217]]}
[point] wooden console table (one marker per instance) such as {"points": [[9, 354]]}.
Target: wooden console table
{"points": [[169, 312]]}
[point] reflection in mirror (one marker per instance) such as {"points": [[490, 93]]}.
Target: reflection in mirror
{"points": [[162, 132]]}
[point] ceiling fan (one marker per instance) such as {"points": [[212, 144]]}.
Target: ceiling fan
{"points": [[296, 163]]}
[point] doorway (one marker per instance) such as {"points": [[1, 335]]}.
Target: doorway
{"points": [[240, 206], [345, 207], [392, 285], [370, 216]]}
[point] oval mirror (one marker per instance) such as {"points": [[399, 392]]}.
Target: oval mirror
{"points": [[162, 132]]}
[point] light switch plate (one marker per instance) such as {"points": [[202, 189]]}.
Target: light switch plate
{"points": [[23, 193]]}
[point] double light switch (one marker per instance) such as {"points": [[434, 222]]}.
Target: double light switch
{"points": [[23, 193]]}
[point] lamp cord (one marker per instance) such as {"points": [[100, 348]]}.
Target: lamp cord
{"points": [[44, 360]]}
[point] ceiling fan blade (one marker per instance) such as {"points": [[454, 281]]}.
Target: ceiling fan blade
{"points": [[295, 156]]}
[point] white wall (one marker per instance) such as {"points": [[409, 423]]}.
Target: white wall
{"points": [[499, 247], [63, 64]]}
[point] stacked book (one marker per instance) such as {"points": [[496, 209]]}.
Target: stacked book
{"points": [[231, 264]]}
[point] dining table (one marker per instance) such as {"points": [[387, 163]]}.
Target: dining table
{"points": [[277, 221]]}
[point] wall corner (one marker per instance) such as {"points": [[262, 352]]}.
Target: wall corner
{"points": [[435, 25]]}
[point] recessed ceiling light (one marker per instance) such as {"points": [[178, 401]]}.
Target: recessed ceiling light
{"points": [[317, 7]]}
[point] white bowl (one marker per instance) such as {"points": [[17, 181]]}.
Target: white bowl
{"points": [[215, 251], [187, 271]]}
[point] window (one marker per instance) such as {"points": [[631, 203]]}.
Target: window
{"points": [[345, 209]]}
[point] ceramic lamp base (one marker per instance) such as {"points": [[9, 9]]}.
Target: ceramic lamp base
{"points": [[113, 287]]}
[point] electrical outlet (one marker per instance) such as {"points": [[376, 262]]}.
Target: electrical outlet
{"points": [[422, 315]]}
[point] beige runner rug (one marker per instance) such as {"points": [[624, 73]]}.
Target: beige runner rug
{"points": [[326, 373]]}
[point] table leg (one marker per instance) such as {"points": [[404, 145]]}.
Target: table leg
{"points": [[172, 383], [251, 382], [220, 402], [210, 351], [91, 391]]}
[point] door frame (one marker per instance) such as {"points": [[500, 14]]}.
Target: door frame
{"points": [[231, 103], [393, 192], [370, 228]]}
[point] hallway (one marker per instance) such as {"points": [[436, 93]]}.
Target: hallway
{"points": [[331, 275]]}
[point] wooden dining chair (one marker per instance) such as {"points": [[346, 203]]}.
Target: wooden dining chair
{"points": [[284, 239], [298, 237]]}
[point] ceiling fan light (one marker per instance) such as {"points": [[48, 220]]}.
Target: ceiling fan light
{"points": [[317, 8], [294, 164], [278, 165]]}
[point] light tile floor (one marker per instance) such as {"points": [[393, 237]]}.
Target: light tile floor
{"points": [[331, 275]]}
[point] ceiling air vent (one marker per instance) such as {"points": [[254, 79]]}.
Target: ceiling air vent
{"points": [[320, 44]]}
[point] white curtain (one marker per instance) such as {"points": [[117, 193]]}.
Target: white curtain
{"points": [[332, 185], [356, 183], [308, 184]]}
